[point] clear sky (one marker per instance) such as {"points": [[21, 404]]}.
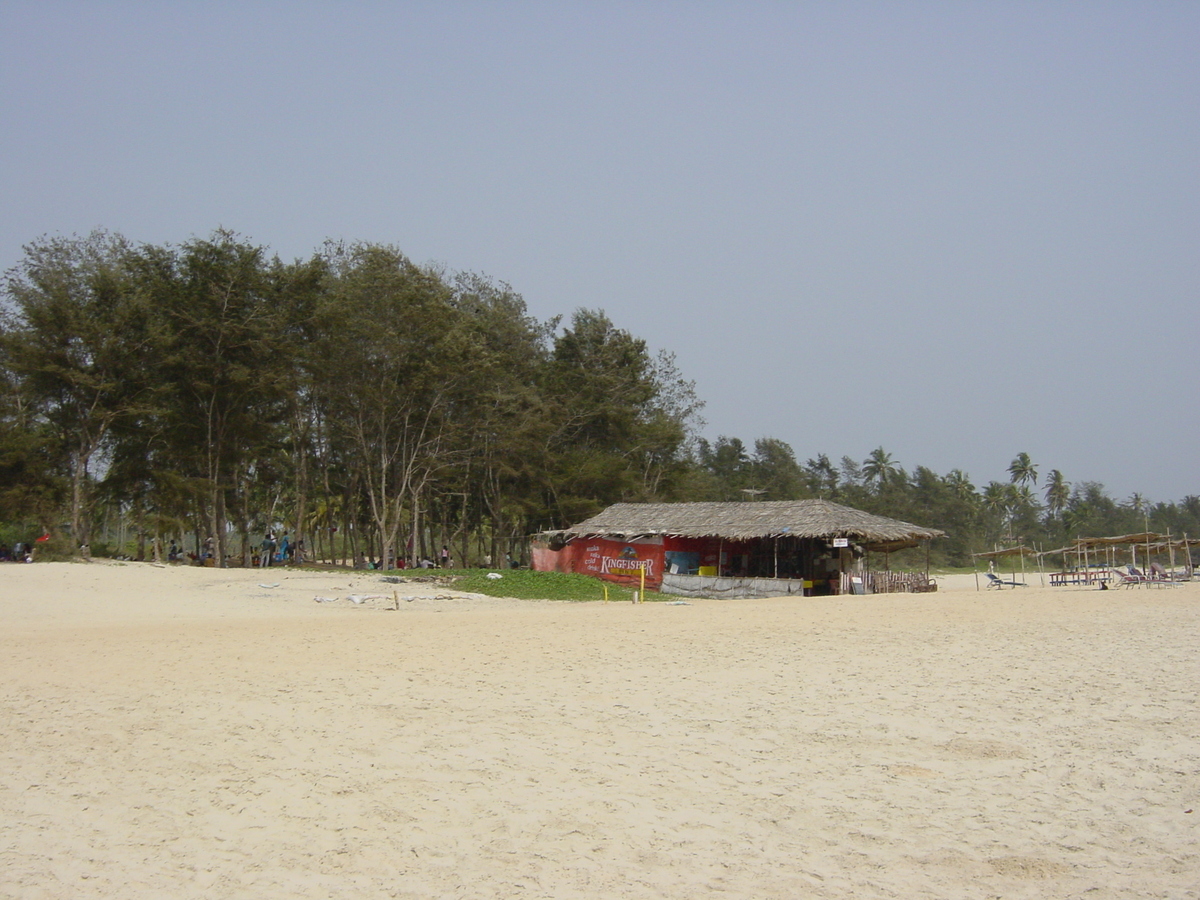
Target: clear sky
{"points": [[958, 230]]}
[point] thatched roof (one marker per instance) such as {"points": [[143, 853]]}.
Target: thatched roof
{"points": [[749, 520], [1120, 540]]}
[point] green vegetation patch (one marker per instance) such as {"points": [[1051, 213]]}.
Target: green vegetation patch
{"points": [[525, 584]]}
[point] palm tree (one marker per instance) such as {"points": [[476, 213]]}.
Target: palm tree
{"points": [[1022, 470], [1058, 492], [960, 483], [879, 467], [1002, 499], [322, 522], [1023, 497]]}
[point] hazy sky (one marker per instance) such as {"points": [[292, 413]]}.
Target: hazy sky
{"points": [[958, 230]]}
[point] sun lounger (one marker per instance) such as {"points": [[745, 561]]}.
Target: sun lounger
{"points": [[1126, 579], [994, 581], [1134, 577], [1159, 575]]}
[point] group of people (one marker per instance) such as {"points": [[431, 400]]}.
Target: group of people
{"points": [[272, 552], [21, 551], [401, 563], [446, 561]]}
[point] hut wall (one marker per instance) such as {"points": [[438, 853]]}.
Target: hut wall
{"points": [[618, 561], [543, 559]]}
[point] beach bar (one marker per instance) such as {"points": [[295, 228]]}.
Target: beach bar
{"points": [[740, 549]]}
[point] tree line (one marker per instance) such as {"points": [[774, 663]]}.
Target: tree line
{"points": [[378, 409], [355, 398], [1041, 514]]}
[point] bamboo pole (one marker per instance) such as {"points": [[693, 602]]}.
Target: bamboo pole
{"points": [[1147, 572]]}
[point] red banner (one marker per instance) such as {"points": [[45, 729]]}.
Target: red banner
{"points": [[619, 561]]}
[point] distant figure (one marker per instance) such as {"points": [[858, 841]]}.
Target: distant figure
{"points": [[445, 557], [267, 550], [285, 548]]}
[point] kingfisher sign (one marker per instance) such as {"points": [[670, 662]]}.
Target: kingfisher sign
{"points": [[626, 563], [618, 561]]}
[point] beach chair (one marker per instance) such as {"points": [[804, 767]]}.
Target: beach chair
{"points": [[1159, 577], [1134, 577], [994, 581], [1125, 579]]}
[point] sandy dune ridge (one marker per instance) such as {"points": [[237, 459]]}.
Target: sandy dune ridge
{"points": [[186, 732]]}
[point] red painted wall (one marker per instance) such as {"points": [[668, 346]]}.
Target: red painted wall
{"points": [[617, 561]]}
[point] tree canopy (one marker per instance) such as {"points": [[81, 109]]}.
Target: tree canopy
{"points": [[376, 408]]}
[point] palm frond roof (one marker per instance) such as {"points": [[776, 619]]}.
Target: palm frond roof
{"points": [[750, 520]]}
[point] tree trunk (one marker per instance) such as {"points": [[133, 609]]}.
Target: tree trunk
{"points": [[301, 502], [219, 519], [78, 477]]}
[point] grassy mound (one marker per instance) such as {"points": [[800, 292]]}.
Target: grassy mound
{"points": [[525, 584]]}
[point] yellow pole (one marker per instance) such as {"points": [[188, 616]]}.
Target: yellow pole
{"points": [[642, 594], [606, 592]]}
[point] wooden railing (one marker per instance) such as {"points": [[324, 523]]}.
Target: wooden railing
{"points": [[893, 583]]}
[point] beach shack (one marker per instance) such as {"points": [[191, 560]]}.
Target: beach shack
{"points": [[741, 549]]}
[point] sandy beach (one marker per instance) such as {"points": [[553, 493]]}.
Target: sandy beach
{"points": [[194, 733]]}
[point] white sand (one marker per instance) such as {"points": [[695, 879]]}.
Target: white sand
{"points": [[185, 733]]}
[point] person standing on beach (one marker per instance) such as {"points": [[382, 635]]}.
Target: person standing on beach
{"points": [[445, 557], [267, 550]]}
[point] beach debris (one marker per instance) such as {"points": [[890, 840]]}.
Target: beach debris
{"points": [[494, 575], [390, 601], [393, 579], [358, 599], [679, 603], [275, 585]]}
